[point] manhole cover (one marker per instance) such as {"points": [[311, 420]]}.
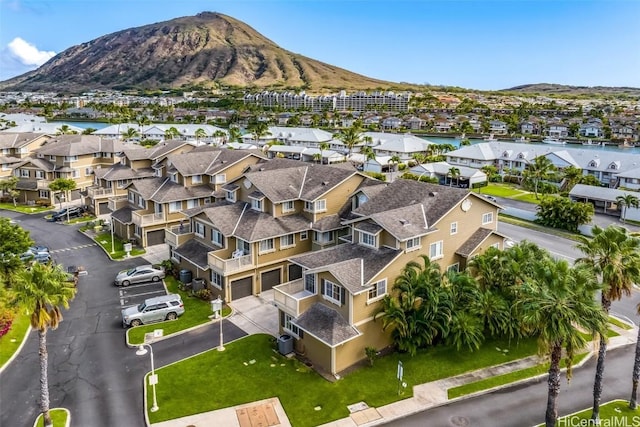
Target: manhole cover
{"points": [[459, 421]]}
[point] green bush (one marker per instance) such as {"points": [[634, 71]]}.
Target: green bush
{"points": [[377, 175]]}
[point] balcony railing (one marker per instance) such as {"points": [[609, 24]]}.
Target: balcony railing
{"points": [[142, 220], [99, 192], [117, 202], [232, 265], [176, 236], [290, 295]]}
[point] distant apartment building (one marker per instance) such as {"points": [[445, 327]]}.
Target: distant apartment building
{"points": [[359, 101]]}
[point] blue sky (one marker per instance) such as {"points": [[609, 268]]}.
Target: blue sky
{"points": [[470, 43]]}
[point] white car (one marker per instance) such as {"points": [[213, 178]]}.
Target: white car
{"points": [[142, 273], [157, 309]]}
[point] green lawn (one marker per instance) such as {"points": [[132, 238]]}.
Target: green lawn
{"points": [[24, 208], [86, 218], [533, 226], [104, 240], [196, 312], [511, 377], [615, 413], [619, 324], [58, 416], [250, 369], [508, 191], [10, 342]]}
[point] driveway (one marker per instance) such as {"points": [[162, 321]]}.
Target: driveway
{"points": [[256, 314]]}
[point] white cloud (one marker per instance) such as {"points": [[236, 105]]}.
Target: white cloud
{"points": [[28, 53]]}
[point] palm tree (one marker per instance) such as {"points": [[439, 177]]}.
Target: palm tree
{"points": [[627, 201], [454, 173], [323, 147], [351, 136], [633, 402], [43, 289], [259, 130], [219, 136], [64, 130], [614, 256], [234, 134], [539, 170], [317, 157], [393, 163], [130, 134], [199, 134], [555, 304], [171, 133]]}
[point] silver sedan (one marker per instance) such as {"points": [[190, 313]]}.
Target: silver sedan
{"points": [[142, 273]]}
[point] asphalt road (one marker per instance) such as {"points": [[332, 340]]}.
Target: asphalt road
{"points": [[91, 370]]}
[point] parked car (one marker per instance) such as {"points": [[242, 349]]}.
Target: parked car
{"points": [[36, 253], [157, 309], [73, 212], [142, 273], [493, 199]]}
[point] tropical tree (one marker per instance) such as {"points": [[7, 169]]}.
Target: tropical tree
{"points": [[572, 176], [539, 170], [317, 157], [64, 130], [635, 377], [393, 164], [171, 133], [324, 146], [219, 136], [627, 201], [130, 133], [234, 134], [8, 187], [454, 172], [199, 134], [367, 152], [62, 185], [14, 241], [351, 136], [555, 304], [43, 290], [563, 213], [89, 131], [614, 256], [259, 130]]}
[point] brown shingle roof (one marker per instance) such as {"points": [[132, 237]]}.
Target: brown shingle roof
{"points": [[326, 324]]}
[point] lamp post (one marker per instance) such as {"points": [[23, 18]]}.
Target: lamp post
{"points": [[153, 379], [112, 243], [216, 306]]}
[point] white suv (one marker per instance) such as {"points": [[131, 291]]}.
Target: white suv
{"points": [[166, 307]]}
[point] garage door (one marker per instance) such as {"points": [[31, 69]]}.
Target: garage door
{"points": [[295, 272], [270, 279], [103, 208], [241, 288], [155, 237]]}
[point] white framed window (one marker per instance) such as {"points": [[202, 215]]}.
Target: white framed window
{"points": [[221, 178], [436, 250], [192, 203], [52, 158], [378, 290], [290, 327], [413, 244], [317, 206], [323, 237], [243, 246], [454, 228], [217, 279], [137, 231], [88, 171], [40, 174], [495, 245], [288, 206], [487, 218], [304, 235], [131, 197], [43, 194], [122, 183], [287, 241], [97, 155], [216, 237], [106, 155], [454, 268], [231, 196], [175, 207], [75, 173], [173, 177], [256, 205], [196, 179], [332, 292], [310, 283], [266, 246], [199, 229], [367, 239], [69, 159], [24, 173], [142, 202]]}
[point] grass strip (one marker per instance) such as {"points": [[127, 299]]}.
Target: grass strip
{"points": [[11, 341], [614, 413], [509, 219], [104, 240], [251, 369], [620, 324], [511, 377], [25, 209], [58, 416], [196, 312]]}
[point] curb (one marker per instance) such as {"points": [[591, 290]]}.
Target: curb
{"points": [[67, 424], [15, 353]]}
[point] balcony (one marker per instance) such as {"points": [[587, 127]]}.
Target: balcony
{"points": [[176, 236], [144, 220], [99, 192], [231, 265], [292, 297], [117, 202]]}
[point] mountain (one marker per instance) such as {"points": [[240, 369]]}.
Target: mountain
{"points": [[192, 50], [551, 88]]}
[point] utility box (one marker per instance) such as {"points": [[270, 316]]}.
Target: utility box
{"points": [[285, 344], [185, 276], [197, 284]]}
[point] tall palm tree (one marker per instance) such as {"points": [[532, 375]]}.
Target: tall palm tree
{"points": [[351, 136], [219, 136], [64, 130], [635, 377], [323, 147], [130, 134], [259, 130], [555, 304], [454, 172], [199, 134], [393, 163], [171, 133], [43, 290], [234, 134], [614, 256], [539, 170], [627, 201]]}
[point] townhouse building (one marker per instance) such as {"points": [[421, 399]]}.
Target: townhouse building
{"points": [[276, 210], [330, 305], [16, 146]]}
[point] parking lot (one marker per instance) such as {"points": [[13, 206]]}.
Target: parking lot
{"points": [[135, 294]]}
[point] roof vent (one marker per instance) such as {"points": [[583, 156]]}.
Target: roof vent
{"points": [[433, 193], [325, 182], [404, 222]]}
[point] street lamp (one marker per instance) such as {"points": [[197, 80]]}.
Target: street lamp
{"points": [[216, 306], [112, 244], [153, 379]]}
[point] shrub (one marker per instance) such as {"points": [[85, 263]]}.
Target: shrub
{"points": [[204, 294], [6, 320], [377, 175], [371, 353]]}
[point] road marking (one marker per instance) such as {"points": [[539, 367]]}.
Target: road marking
{"points": [[143, 294], [75, 248]]}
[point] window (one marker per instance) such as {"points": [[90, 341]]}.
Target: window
{"points": [[266, 246], [217, 279], [231, 196], [304, 235], [132, 197], [199, 229], [378, 291], [243, 247], [196, 179], [173, 177], [413, 244], [436, 250], [175, 207], [142, 203], [87, 171], [287, 241], [367, 239], [256, 205], [40, 174], [216, 237], [288, 206], [43, 194], [487, 218], [221, 178], [324, 237], [122, 183], [75, 173], [454, 228], [24, 173], [317, 206], [290, 327], [137, 231], [332, 292], [192, 203], [52, 158], [97, 155], [70, 159], [310, 283], [495, 245], [454, 268]]}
